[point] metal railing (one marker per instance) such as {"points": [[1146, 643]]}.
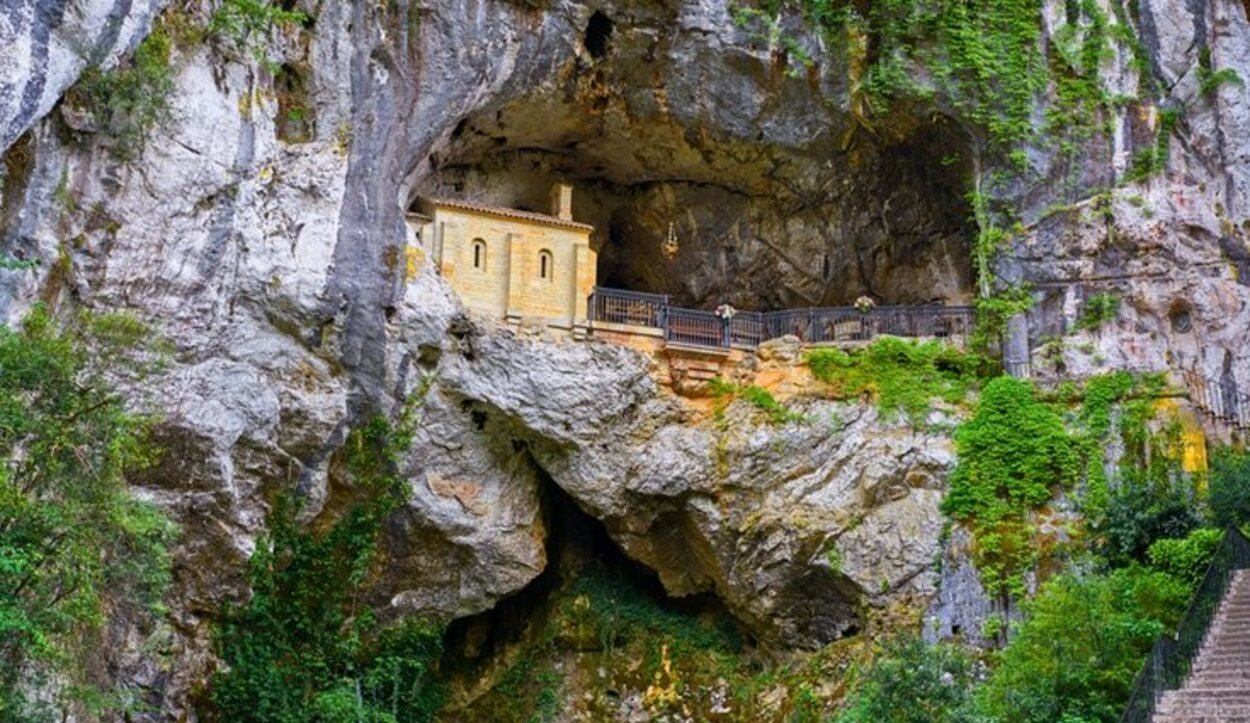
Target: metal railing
{"points": [[1172, 657], [1220, 401], [691, 327], [751, 328], [632, 308]]}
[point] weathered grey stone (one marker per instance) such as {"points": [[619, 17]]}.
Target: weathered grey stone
{"points": [[44, 46]]}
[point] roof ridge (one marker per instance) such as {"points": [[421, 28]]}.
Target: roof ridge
{"points": [[508, 212]]}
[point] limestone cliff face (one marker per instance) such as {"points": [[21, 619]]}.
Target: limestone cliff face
{"points": [[275, 261]]}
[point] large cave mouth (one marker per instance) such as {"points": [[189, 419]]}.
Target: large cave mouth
{"points": [[758, 223], [588, 601]]}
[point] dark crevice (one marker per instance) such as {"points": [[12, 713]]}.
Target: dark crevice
{"points": [[295, 122]]}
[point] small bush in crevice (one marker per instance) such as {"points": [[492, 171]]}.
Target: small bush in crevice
{"points": [[129, 101], [246, 23], [296, 121], [1099, 309], [756, 396]]}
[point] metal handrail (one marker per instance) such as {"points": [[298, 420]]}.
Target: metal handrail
{"points": [[1172, 657], [1219, 400], [749, 329], [693, 327]]}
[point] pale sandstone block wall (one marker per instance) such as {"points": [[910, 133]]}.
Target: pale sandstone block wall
{"points": [[510, 283]]}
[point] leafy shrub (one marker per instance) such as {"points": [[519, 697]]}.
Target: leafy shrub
{"points": [[1186, 558], [303, 647], [247, 22], [1139, 514], [1081, 643], [74, 543], [1098, 310], [1012, 453], [900, 375], [912, 682], [1229, 487]]}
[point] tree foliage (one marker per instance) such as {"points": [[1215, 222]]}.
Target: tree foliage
{"points": [[1186, 558], [911, 682], [1082, 641], [306, 646], [1229, 488], [75, 544]]}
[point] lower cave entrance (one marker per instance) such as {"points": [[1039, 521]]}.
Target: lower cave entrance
{"points": [[593, 631]]}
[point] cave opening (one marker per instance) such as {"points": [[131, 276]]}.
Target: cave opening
{"points": [[483, 651], [764, 217], [598, 35]]}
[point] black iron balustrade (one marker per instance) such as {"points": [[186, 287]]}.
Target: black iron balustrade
{"points": [[691, 327], [1220, 400], [632, 308], [746, 328], [749, 329], [1173, 656]]}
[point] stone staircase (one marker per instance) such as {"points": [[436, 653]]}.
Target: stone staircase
{"points": [[1218, 687]]}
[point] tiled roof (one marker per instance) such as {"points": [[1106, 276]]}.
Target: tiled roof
{"points": [[510, 213]]}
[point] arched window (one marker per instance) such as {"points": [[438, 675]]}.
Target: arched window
{"points": [[545, 268], [479, 254]]}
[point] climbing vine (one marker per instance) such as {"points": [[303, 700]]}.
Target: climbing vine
{"points": [[986, 58], [1013, 454]]}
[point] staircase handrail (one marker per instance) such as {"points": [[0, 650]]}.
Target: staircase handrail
{"points": [[1220, 400], [1173, 655]]}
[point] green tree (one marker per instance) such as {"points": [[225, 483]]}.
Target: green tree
{"points": [[1138, 513], [912, 682], [75, 545], [1229, 488], [1081, 643]]}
